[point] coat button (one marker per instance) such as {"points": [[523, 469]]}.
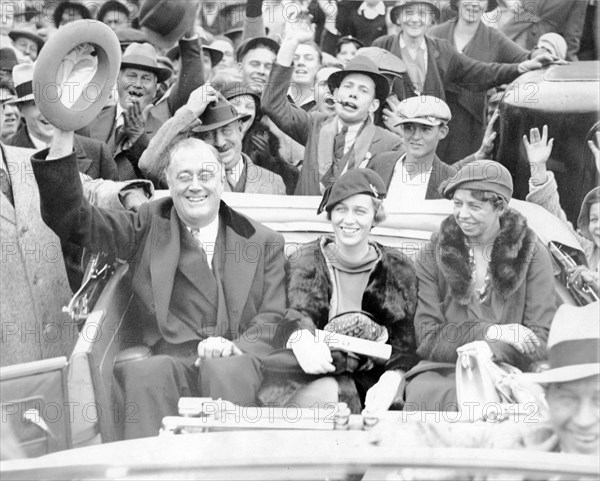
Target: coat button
{"points": [[24, 230]]}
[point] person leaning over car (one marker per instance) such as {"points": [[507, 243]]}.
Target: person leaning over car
{"points": [[35, 274], [485, 276], [208, 283], [333, 144]]}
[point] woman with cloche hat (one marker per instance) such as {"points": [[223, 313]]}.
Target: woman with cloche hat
{"points": [[484, 276], [347, 284]]}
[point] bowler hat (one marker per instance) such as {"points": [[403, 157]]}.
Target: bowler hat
{"points": [[424, 109], [27, 32], [386, 61], [22, 76], [256, 42], [485, 175], [109, 6], [62, 6], [143, 56], [353, 182], [62, 107], [395, 12], [365, 66], [218, 114], [215, 54], [8, 59], [573, 345], [165, 21]]}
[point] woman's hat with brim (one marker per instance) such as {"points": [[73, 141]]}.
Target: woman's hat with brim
{"points": [[22, 32], [365, 66], [62, 6], [22, 76], [486, 175], [109, 6], [100, 48], [165, 21], [395, 12], [219, 114], [573, 345], [583, 221], [256, 42], [386, 61], [143, 56], [353, 182], [215, 54]]}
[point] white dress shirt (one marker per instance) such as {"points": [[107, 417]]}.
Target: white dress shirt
{"points": [[405, 190]]}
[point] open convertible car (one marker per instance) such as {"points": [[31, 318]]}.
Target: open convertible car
{"points": [[52, 406]]}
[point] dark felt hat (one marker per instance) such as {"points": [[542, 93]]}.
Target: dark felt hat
{"points": [[215, 54], [62, 6], [218, 114], [165, 21], [110, 6], [363, 65], [486, 175], [143, 56], [8, 59], [395, 12], [253, 43], [27, 32], [353, 182]]}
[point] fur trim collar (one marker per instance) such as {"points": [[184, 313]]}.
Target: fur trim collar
{"points": [[512, 251]]}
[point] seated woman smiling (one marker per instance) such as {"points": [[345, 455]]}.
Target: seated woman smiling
{"points": [[485, 276], [372, 287]]}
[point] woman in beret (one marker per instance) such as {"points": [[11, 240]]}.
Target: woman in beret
{"points": [[372, 289], [484, 276]]}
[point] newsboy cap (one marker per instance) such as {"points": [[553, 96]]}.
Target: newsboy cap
{"points": [[424, 109], [353, 182], [486, 175]]}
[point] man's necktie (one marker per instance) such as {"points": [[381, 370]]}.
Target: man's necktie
{"points": [[231, 183], [196, 235], [5, 185], [339, 144]]}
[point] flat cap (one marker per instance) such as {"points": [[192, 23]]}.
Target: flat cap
{"points": [[486, 175], [424, 109]]}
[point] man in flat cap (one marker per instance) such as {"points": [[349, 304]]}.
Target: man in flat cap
{"points": [[416, 174]]}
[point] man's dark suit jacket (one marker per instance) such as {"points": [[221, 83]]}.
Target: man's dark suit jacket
{"points": [[316, 131], [153, 241], [93, 156], [446, 65], [385, 163]]}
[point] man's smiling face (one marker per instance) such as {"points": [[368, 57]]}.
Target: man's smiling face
{"points": [[356, 94], [136, 84]]}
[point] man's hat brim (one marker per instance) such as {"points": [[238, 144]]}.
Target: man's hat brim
{"points": [[252, 43], [216, 55], [15, 34], [563, 374], [208, 127], [382, 86], [162, 74]]}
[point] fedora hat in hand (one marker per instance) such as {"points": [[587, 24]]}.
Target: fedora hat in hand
{"points": [[573, 345], [165, 21], [365, 66], [218, 114], [143, 56], [87, 49]]}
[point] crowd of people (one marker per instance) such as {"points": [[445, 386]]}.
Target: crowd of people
{"points": [[369, 105]]}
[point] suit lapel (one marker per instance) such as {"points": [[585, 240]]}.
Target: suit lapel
{"points": [[363, 142], [238, 270], [104, 127], [436, 177], [83, 161], [164, 259]]}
